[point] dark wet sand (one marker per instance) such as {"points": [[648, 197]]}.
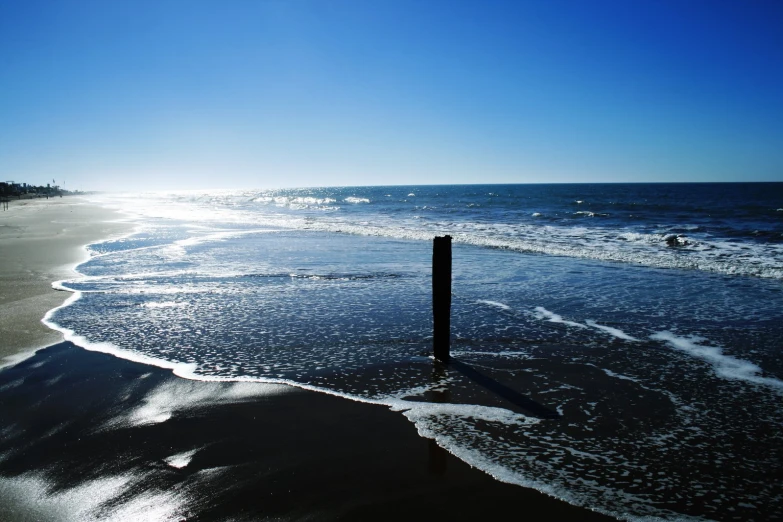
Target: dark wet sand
{"points": [[86, 435]]}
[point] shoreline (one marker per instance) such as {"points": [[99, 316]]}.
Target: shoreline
{"points": [[43, 240], [91, 435]]}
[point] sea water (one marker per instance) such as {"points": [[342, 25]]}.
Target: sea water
{"points": [[647, 315]]}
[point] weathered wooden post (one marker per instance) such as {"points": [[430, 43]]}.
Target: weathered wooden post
{"points": [[441, 297]]}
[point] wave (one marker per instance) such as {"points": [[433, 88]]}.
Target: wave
{"points": [[756, 252], [591, 214], [297, 201], [614, 332], [602, 245]]}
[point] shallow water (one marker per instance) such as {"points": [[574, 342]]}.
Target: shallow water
{"points": [[668, 381]]}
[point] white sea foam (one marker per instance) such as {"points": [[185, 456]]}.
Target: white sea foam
{"points": [[512, 354], [219, 236], [429, 419], [495, 304], [416, 411], [294, 201], [725, 366], [610, 373], [356, 200], [543, 313], [611, 331], [164, 304], [594, 242], [80, 340]]}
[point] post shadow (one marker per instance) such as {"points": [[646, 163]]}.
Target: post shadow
{"points": [[438, 457], [441, 318], [514, 397]]}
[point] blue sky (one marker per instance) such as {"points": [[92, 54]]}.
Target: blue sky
{"points": [[256, 94]]}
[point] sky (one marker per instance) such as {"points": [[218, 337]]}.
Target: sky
{"points": [[193, 94]]}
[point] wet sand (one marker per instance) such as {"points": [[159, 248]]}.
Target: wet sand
{"points": [[41, 240], [87, 436]]}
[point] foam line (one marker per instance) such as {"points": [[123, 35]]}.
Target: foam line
{"points": [[620, 376], [543, 313], [725, 366], [611, 331], [218, 236], [495, 304], [158, 408], [79, 340], [424, 417]]}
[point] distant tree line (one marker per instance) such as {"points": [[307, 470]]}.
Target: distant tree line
{"points": [[10, 189]]}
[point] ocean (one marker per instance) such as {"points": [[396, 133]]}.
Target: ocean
{"points": [[648, 316]]}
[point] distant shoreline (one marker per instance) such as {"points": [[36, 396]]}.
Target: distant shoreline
{"points": [[413, 186]]}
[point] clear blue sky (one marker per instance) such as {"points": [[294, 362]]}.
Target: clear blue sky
{"points": [[250, 93]]}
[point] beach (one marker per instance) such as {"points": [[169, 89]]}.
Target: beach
{"points": [[89, 436], [256, 354], [41, 241]]}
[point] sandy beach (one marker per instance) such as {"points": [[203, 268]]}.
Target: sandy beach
{"points": [[88, 436], [41, 241]]}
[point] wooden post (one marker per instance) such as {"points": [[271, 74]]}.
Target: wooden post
{"points": [[441, 297]]}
